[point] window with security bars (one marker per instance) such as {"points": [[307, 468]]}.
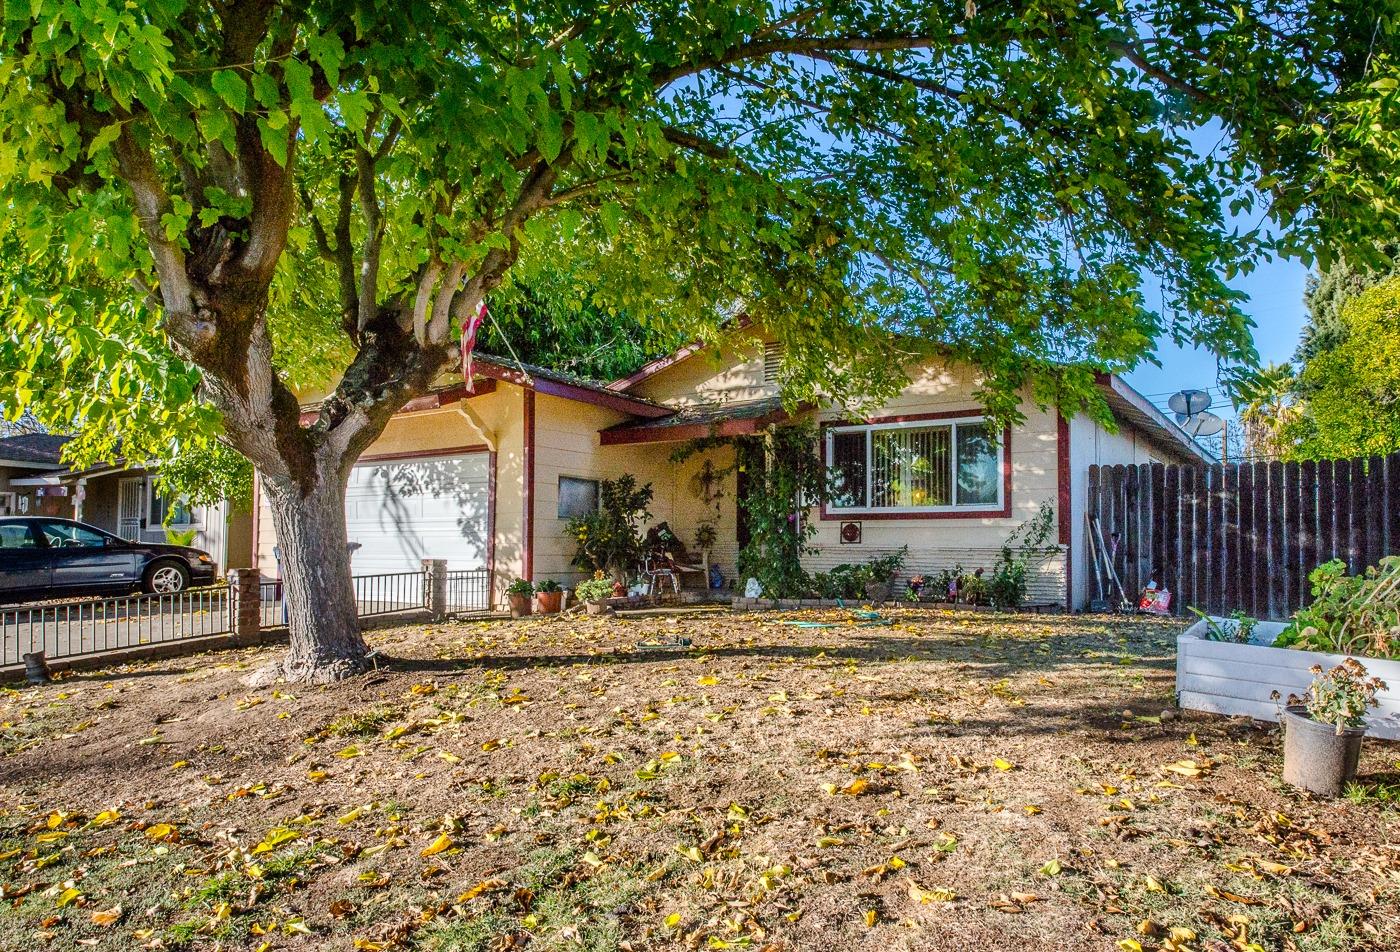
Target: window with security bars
{"points": [[904, 467]]}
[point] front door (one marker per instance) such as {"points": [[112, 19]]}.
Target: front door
{"points": [[131, 507]]}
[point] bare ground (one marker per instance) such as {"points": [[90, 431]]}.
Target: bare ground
{"points": [[954, 781]]}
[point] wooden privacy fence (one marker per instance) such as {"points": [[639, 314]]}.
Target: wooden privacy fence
{"points": [[1243, 535]]}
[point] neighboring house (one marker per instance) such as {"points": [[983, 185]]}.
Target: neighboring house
{"points": [[490, 477], [119, 498], [24, 460]]}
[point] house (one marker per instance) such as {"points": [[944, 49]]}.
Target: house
{"points": [[25, 458], [489, 477], [117, 497]]}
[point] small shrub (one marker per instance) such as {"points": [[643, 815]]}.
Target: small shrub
{"points": [[549, 585], [1341, 696], [1350, 614], [520, 587], [1238, 628], [594, 589]]}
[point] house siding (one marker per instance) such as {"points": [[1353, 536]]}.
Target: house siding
{"points": [[1091, 444], [971, 540]]}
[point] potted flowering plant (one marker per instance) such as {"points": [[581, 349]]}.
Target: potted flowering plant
{"points": [[1323, 729], [594, 593], [550, 596], [518, 594], [916, 587]]}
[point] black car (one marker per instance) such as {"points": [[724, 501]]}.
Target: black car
{"points": [[42, 557]]}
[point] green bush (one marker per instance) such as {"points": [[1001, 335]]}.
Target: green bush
{"points": [[610, 539], [1350, 614], [594, 589], [1007, 586], [520, 587]]}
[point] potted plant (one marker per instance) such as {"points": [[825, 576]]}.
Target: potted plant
{"points": [[916, 587], [550, 595], [518, 594], [594, 593], [1322, 730]]}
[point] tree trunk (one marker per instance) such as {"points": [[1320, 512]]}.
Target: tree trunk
{"points": [[309, 517]]}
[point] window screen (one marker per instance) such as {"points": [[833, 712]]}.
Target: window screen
{"points": [[577, 497]]}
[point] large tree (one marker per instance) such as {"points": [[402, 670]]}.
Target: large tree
{"points": [[252, 185]]}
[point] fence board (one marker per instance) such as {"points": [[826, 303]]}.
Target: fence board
{"points": [[1243, 536]]}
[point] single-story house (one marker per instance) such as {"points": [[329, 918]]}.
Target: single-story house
{"points": [[118, 497], [24, 459], [489, 477]]}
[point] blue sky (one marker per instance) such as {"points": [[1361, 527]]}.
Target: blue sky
{"points": [[1275, 290]]}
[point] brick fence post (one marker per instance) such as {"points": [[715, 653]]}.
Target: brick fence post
{"points": [[245, 606], [435, 588]]}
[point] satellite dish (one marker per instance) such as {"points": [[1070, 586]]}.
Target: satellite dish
{"points": [[1200, 424], [1189, 402]]}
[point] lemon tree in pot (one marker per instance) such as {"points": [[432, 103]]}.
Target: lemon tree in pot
{"points": [[518, 594], [550, 596], [1323, 729]]}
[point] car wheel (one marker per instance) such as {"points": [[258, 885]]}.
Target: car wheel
{"points": [[165, 578]]}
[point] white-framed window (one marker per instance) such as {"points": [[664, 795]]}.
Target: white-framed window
{"points": [[920, 466], [578, 497], [182, 514]]}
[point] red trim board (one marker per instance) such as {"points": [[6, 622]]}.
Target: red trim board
{"points": [[424, 454], [527, 557], [491, 531], [620, 402], [1064, 504], [846, 516]]}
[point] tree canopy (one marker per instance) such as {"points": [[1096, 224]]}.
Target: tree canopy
{"points": [[259, 199]]}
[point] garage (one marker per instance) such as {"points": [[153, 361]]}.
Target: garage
{"points": [[406, 510]]}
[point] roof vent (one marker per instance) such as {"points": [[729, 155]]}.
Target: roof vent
{"points": [[772, 358]]}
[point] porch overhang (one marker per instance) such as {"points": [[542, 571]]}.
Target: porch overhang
{"points": [[556, 384], [702, 422]]}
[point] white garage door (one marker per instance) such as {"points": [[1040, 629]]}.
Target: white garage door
{"points": [[404, 511]]}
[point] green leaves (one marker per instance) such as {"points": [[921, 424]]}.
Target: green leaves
{"points": [[231, 89]]}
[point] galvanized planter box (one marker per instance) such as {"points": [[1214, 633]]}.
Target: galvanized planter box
{"points": [[1227, 678]]}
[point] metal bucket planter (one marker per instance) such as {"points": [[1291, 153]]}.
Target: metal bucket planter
{"points": [[1315, 756], [877, 592], [519, 605]]}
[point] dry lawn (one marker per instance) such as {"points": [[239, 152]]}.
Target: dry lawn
{"points": [[953, 781]]}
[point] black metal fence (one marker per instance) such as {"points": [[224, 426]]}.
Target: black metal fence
{"points": [[92, 626], [469, 591]]}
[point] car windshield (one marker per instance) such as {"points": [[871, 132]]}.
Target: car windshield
{"points": [[65, 535]]}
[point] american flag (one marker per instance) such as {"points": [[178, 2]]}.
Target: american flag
{"points": [[469, 331]]}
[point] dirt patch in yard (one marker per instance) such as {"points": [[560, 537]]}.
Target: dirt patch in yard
{"points": [[952, 781]]}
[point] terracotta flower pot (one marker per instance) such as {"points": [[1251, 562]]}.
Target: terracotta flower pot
{"points": [[550, 602], [519, 605], [1315, 756]]}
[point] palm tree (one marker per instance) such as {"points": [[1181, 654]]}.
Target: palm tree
{"points": [[1268, 405]]}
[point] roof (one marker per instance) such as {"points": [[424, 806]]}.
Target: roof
{"points": [[1129, 405], [33, 450], [703, 420], [560, 383]]}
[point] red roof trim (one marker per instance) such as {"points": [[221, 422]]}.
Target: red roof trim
{"points": [[598, 397]]}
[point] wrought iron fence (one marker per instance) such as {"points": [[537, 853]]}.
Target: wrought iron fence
{"points": [[388, 592], [469, 591], [91, 626]]}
